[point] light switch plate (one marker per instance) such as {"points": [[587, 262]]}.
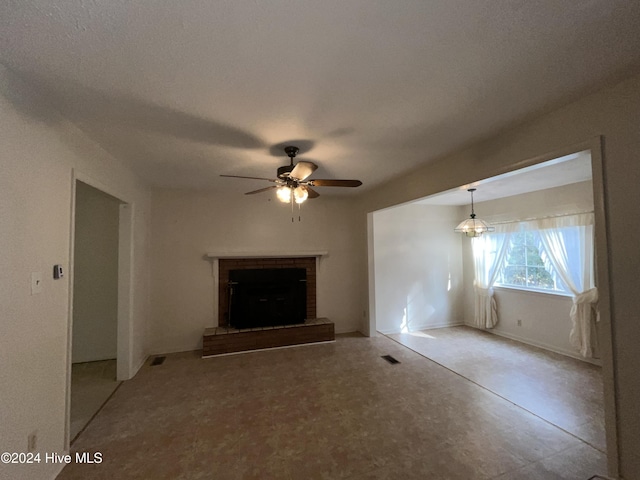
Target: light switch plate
{"points": [[36, 283]]}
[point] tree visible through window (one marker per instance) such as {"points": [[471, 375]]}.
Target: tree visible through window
{"points": [[524, 266]]}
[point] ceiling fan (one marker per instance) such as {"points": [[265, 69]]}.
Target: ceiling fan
{"points": [[291, 183]]}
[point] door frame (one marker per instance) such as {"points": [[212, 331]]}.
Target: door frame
{"points": [[124, 355]]}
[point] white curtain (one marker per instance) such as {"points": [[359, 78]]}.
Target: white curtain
{"points": [[568, 245], [489, 254]]}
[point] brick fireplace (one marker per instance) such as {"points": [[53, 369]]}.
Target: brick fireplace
{"points": [[226, 265]]}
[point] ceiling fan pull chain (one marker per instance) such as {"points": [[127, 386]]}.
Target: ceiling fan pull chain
{"points": [[299, 208]]}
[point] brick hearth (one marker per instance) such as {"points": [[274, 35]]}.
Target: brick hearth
{"points": [[222, 340]]}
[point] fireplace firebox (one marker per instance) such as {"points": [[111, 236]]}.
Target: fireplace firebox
{"points": [[267, 297]]}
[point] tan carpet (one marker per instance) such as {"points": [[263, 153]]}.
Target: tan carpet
{"points": [[321, 412]]}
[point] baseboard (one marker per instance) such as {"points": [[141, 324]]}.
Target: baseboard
{"points": [[429, 326], [164, 351], [141, 362], [350, 329], [542, 345], [57, 467], [100, 358]]}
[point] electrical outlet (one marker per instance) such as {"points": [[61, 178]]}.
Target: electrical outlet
{"points": [[32, 442], [519, 322]]}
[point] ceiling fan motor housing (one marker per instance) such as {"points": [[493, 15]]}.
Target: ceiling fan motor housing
{"points": [[291, 151], [284, 171]]}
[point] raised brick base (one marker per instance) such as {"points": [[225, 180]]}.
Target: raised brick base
{"points": [[221, 340]]}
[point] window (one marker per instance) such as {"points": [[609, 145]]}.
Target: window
{"points": [[525, 266]]}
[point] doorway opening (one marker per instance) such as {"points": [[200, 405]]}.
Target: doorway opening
{"points": [[99, 320], [421, 278]]}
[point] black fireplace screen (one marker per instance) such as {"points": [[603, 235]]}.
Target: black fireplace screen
{"points": [[267, 297]]}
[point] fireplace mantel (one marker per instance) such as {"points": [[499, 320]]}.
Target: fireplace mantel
{"points": [[267, 254]]}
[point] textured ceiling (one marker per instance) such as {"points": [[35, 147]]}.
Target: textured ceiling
{"points": [[186, 91]]}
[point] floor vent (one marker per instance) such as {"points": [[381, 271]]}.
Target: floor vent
{"points": [[158, 361], [390, 359]]}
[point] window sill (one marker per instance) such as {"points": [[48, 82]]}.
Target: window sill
{"points": [[532, 290]]}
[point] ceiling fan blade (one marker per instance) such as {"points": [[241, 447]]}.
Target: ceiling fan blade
{"points": [[252, 178], [302, 170], [312, 193], [262, 190], [335, 183]]}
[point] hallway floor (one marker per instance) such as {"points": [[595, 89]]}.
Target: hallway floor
{"points": [[91, 385]]}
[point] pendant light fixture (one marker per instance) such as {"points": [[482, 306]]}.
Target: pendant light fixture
{"points": [[473, 227]]}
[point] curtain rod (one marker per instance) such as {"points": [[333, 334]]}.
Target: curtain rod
{"points": [[506, 222]]}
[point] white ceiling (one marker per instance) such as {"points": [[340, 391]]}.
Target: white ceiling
{"points": [[561, 171], [185, 91]]}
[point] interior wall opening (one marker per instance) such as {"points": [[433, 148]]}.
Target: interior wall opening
{"points": [[422, 295], [95, 363]]}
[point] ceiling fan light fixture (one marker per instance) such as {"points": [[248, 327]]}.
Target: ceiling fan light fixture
{"points": [[300, 194], [473, 227], [293, 183], [284, 194]]}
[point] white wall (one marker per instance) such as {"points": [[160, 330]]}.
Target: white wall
{"points": [[95, 276], [614, 114], [418, 268], [545, 317], [187, 225], [38, 150]]}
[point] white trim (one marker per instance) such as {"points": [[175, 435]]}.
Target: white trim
{"points": [[57, 468], [215, 273], [530, 219], [605, 340], [114, 192], [140, 364], [124, 357], [545, 346], [270, 348], [370, 326], [267, 254], [419, 328], [555, 293], [182, 349], [68, 360]]}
